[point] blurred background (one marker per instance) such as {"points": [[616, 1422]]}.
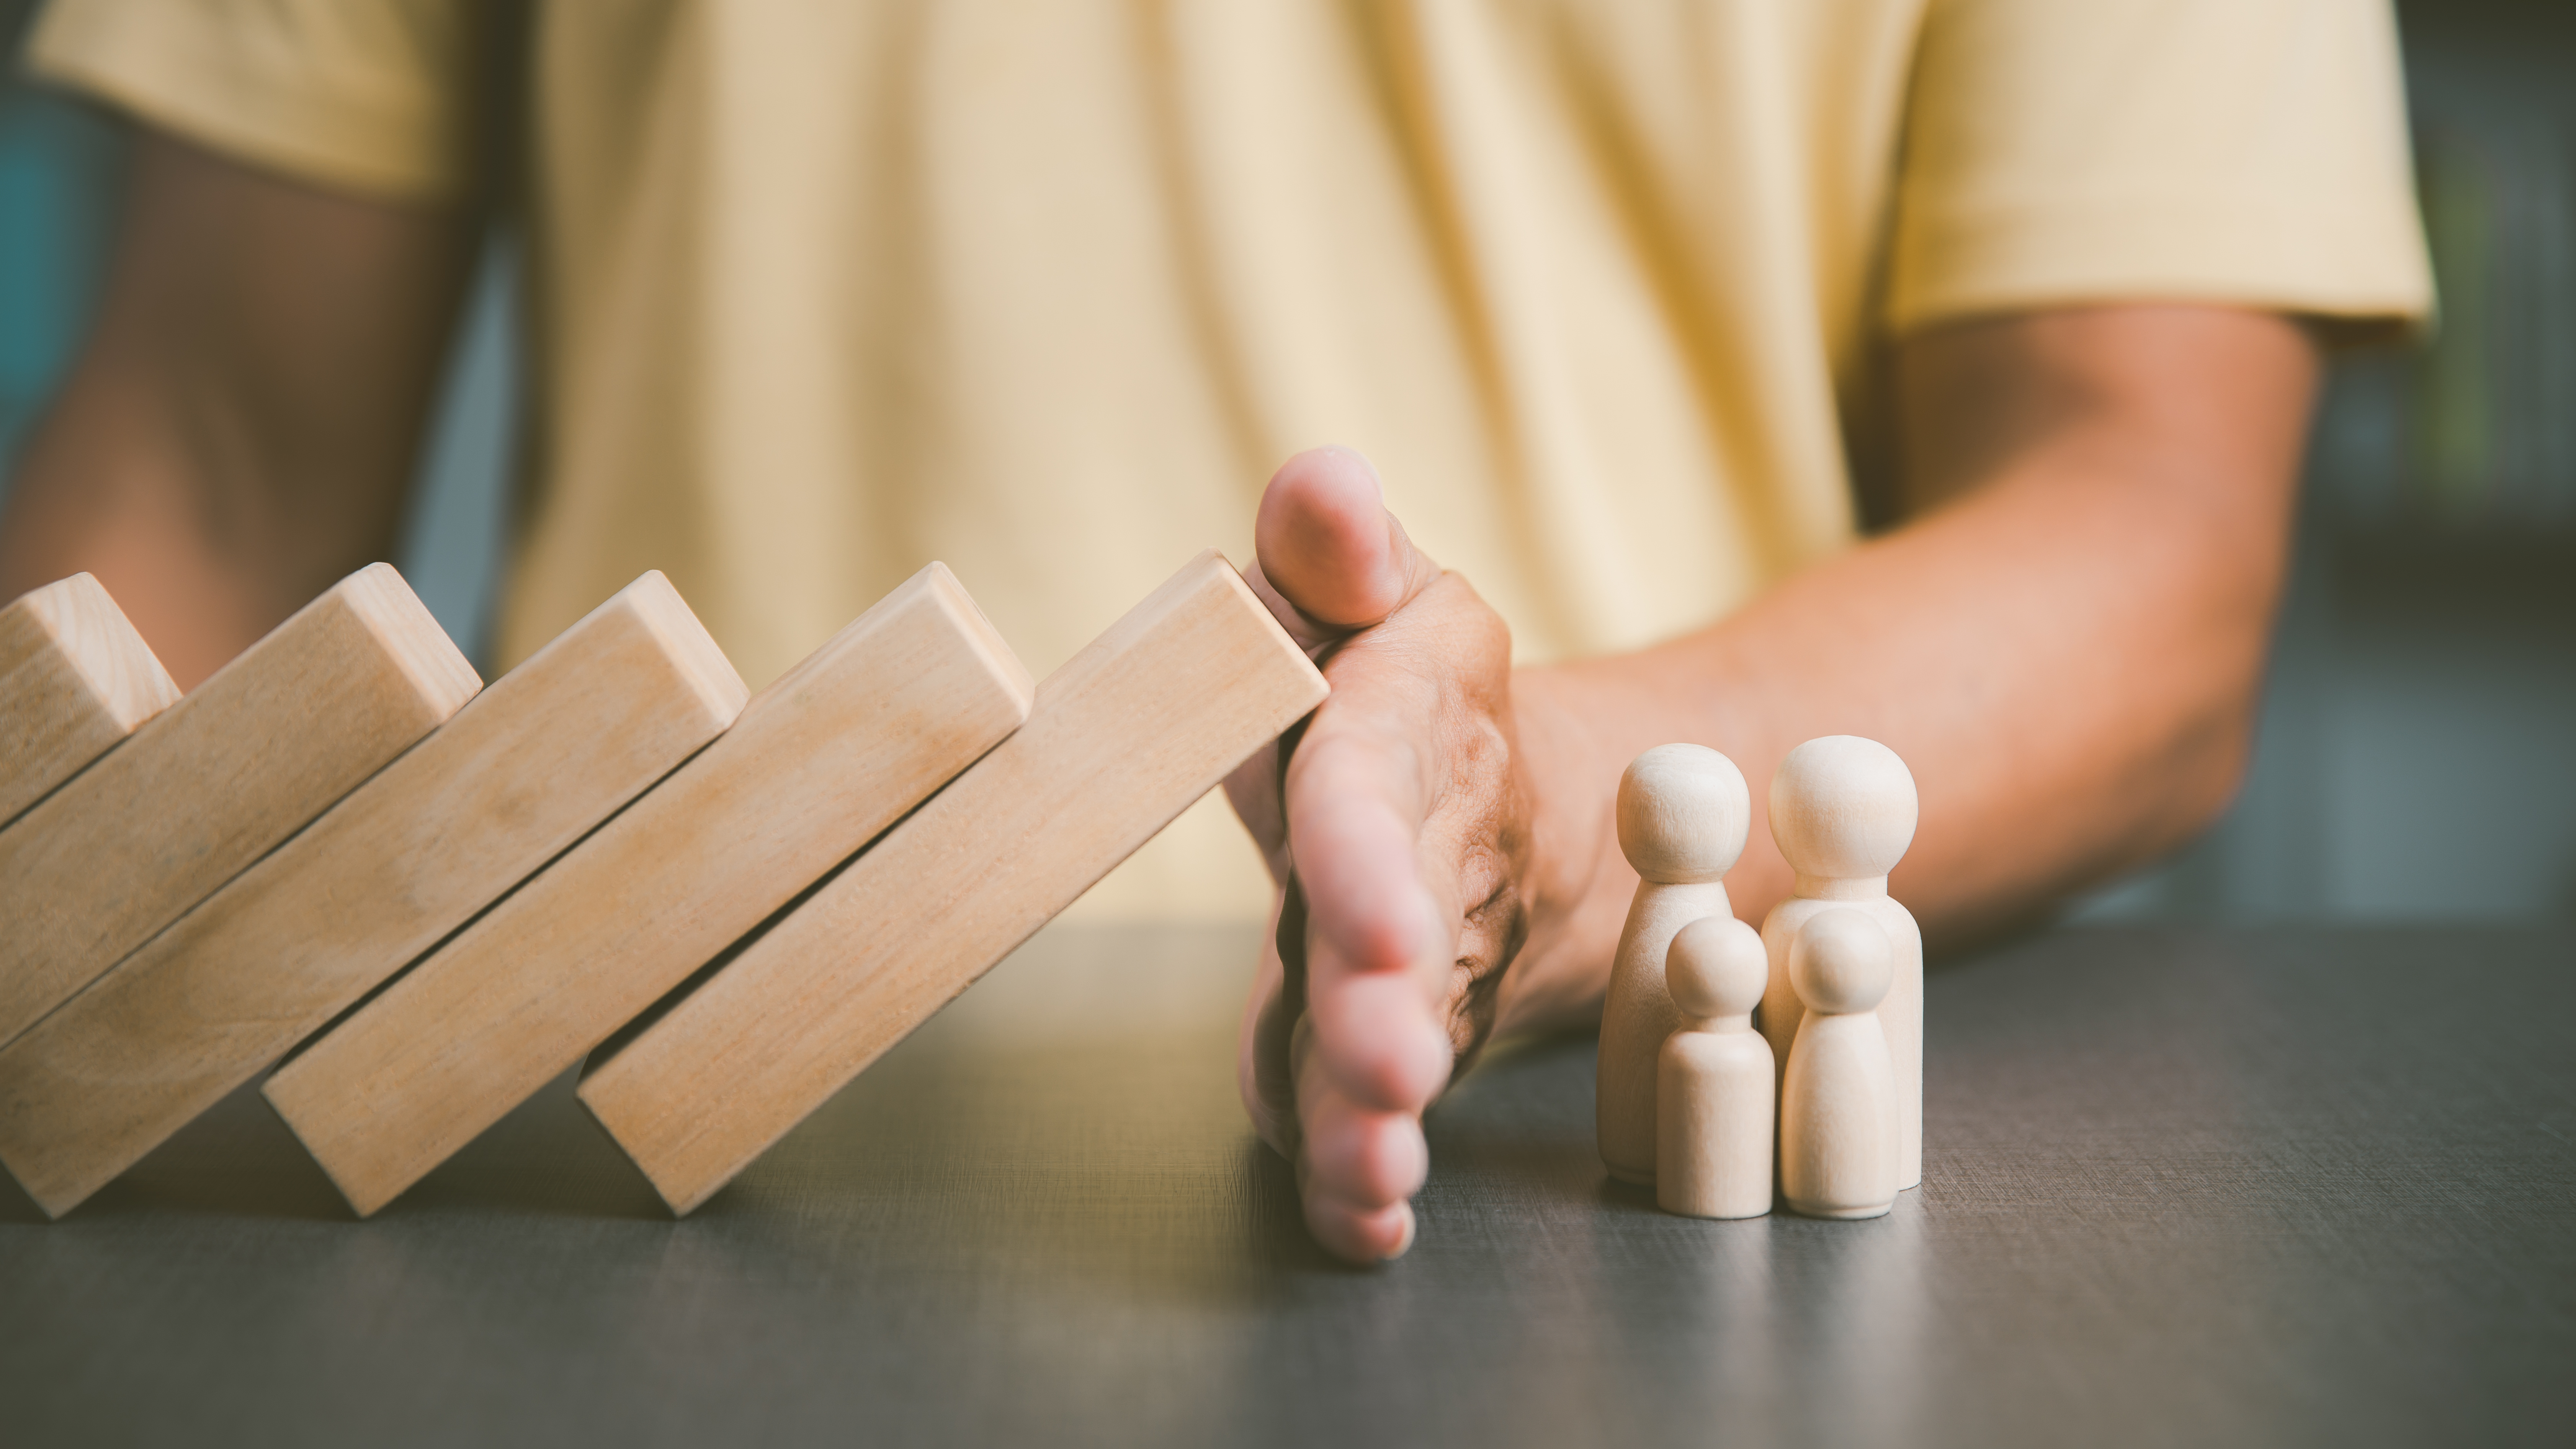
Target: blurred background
{"points": [[2418, 753]]}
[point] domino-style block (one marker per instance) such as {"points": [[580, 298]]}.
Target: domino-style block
{"points": [[1145, 720], [74, 679], [213, 782], [821, 761], [526, 767]]}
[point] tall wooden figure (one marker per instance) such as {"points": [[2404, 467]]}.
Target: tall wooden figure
{"points": [[1838, 1100], [1714, 1088], [1682, 814], [1843, 811]]}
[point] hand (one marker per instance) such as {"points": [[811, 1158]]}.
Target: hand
{"points": [[1403, 841], [2119, 484]]}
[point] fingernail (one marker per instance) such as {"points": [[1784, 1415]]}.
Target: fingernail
{"points": [[1403, 1244]]}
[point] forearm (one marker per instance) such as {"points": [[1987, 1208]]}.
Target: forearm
{"points": [[2069, 677], [115, 485], [239, 430], [2068, 657]]}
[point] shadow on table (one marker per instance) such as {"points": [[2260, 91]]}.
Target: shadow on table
{"points": [[240, 1161]]}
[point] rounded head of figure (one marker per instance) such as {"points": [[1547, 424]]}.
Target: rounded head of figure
{"points": [[1842, 962], [1843, 808], [1683, 811], [1717, 967]]}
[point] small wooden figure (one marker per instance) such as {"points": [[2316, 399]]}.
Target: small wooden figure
{"points": [[1714, 1096], [1682, 814], [1843, 811], [1838, 1101]]}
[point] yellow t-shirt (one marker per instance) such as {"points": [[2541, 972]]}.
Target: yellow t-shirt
{"points": [[1046, 289]]}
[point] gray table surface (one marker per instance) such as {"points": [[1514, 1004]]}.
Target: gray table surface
{"points": [[2270, 1188]]}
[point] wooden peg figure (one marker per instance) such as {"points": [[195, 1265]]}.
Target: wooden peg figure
{"points": [[1843, 810], [1714, 1095], [1838, 1101], [1682, 814]]}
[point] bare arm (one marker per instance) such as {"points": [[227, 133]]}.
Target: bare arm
{"points": [[2065, 644], [239, 430], [2066, 639]]}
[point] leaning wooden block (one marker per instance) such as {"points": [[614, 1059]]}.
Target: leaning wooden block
{"points": [[74, 679], [584, 726], [237, 765], [1124, 737], [826, 757]]}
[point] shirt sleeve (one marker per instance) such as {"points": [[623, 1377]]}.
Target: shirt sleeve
{"points": [[370, 96], [2249, 152]]}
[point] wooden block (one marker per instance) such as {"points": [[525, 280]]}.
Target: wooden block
{"points": [[74, 679], [825, 758], [1125, 736], [213, 782], [540, 757]]}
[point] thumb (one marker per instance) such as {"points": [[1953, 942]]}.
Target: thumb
{"points": [[1329, 559]]}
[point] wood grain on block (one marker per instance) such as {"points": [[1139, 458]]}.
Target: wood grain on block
{"points": [[588, 723], [821, 761], [213, 782], [1127, 734], [74, 679]]}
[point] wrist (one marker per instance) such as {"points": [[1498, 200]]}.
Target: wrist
{"points": [[1569, 801], [1572, 899]]}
